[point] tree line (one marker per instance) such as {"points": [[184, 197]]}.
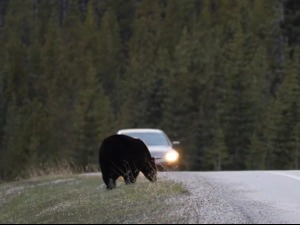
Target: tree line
{"points": [[222, 77]]}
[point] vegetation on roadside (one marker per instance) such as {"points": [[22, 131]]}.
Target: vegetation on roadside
{"points": [[84, 199]]}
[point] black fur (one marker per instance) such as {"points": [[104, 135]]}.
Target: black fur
{"points": [[124, 156]]}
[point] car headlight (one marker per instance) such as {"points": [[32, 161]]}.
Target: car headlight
{"points": [[172, 156]]}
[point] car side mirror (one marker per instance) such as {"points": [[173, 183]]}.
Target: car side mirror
{"points": [[176, 143]]}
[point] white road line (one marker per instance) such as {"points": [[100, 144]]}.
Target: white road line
{"points": [[285, 175]]}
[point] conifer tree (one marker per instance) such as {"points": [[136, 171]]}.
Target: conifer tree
{"points": [[286, 118], [260, 96], [2, 105], [110, 56], [2, 123], [291, 21], [296, 138], [13, 154], [175, 105], [177, 15], [58, 92], [237, 117], [139, 78], [15, 84], [217, 155], [94, 119]]}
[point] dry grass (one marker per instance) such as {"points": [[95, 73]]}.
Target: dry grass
{"points": [[58, 167], [62, 168], [84, 199]]}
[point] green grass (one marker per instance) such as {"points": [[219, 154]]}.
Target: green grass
{"points": [[83, 199]]}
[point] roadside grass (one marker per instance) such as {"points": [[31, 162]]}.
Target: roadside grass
{"points": [[84, 199]]}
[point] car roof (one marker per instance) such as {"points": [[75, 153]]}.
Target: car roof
{"points": [[140, 130]]}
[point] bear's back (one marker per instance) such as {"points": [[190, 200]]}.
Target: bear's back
{"points": [[122, 147]]}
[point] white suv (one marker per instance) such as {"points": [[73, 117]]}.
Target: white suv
{"points": [[159, 145]]}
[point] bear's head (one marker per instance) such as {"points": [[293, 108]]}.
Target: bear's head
{"points": [[150, 170]]}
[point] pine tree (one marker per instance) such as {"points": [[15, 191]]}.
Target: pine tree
{"points": [[158, 92], [181, 103], [2, 105], [237, 116], [2, 122], [216, 156], [14, 51], [12, 142], [58, 90], [140, 75], [110, 64], [177, 15], [291, 21], [260, 96], [15, 85], [296, 137], [286, 117], [206, 85], [94, 119], [125, 14], [3, 6]]}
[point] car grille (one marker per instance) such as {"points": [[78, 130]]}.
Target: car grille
{"points": [[158, 155]]}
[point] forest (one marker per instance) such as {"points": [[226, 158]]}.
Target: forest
{"points": [[220, 76]]}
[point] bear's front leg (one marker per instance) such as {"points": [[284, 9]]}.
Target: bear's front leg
{"points": [[109, 181], [111, 184], [130, 177]]}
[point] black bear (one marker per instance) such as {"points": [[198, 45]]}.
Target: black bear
{"points": [[124, 156]]}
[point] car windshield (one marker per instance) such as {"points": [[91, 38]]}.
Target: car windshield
{"points": [[151, 139]]}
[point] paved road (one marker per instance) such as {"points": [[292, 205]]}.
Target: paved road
{"points": [[239, 197]]}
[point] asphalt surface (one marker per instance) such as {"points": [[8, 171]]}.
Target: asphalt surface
{"points": [[258, 197]]}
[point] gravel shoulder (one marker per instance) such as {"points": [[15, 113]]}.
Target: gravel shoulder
{"points": [[212, 201]]}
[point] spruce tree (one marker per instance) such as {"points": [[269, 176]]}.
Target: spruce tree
{"points": [[58, 89], [290, 24], [110, 61], [94, 119], [286, 118], [177, 15], [217, 155], [237, 116], [259, 69], [140, 74]]}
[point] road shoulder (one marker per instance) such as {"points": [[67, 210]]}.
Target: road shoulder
{"points": [[211, 201]]}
